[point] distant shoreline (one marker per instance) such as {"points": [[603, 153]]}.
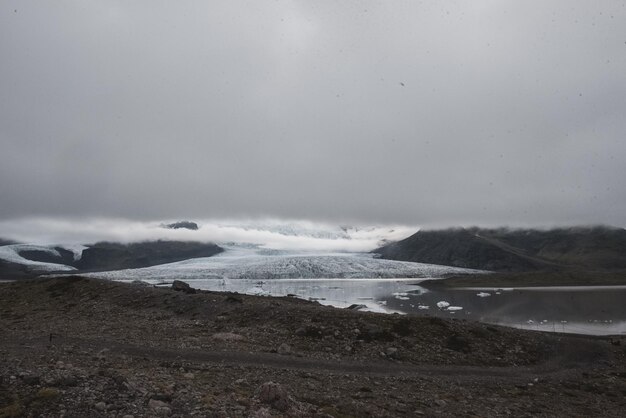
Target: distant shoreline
{"points": [[531, 279]]}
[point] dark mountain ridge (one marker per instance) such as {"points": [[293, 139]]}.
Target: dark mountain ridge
{"points": [[182, 225], [515, 250], [115, 256], [104, 256]]}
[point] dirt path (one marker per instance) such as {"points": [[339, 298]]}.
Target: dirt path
{"points": [[294, 362]]}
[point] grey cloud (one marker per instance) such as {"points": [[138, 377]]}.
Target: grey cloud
{"points": [[484, 112]]}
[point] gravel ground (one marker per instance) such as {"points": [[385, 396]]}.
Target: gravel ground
{"points": [[78, 347]]}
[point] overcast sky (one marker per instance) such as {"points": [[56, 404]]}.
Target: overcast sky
{"points": [[423, 113]]}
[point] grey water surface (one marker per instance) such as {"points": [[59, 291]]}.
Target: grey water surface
{"points": [[595, 310]]}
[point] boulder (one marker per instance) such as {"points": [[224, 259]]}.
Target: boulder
{"points": [[180, 286], [458, 342]]}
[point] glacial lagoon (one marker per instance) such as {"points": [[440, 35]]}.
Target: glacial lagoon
{"points": [[594, 310]]}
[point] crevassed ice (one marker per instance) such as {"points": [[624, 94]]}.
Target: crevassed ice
{"points": [[239, 262], [10, 253]]}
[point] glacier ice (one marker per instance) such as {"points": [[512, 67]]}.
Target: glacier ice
{"points": [[253, 263], [11, 254]]}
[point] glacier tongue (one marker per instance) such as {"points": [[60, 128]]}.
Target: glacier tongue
{"points": [[11, 254], [253, 263]]}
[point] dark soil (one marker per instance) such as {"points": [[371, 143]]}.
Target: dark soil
{"points": [[81, 347]]}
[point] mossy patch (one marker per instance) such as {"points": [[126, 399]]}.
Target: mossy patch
{"points": [[47, 394], [13, 410]]}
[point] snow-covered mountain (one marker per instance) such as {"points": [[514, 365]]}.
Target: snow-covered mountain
{"points": [[267, 249], [13, 254]]}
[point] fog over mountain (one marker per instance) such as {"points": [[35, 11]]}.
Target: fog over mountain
{"points": [[373, 113], [267, 233]]}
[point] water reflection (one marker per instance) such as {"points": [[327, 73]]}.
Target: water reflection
{"points": [[588, 310]]}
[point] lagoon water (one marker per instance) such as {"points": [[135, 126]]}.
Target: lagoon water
{"points": [[585, 310]]}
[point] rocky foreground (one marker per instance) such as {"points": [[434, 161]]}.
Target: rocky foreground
{"points": [[79, 347]]}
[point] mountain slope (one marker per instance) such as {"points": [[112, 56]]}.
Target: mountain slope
{"points": [[114, 256], [514, 250], [23, 260]]}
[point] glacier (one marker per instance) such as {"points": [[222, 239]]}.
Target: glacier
{"points": [[11, 254], [250, 262]]}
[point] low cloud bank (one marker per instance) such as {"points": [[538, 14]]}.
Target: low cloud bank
{"points": [[268, 233]]}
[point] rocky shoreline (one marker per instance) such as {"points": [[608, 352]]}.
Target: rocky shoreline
{"points": [[78, 347]]}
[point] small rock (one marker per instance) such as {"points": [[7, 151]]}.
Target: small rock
{"points": [[440, 403], [102, 354], [457, 342], [141, 283], [261, 413], [160, 408], [31, 380], [101, 406], [375, 333], [392, 352], [284, 348], [155, 403], [313, 331], [189, 376], [227, 336], [274, 394], [66, 381], [234, 299]]}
